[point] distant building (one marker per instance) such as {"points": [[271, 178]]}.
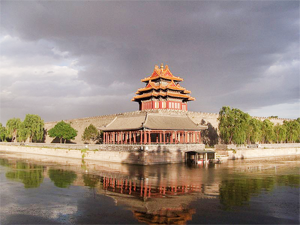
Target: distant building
{"points": [[162, 91], [157, 122]]}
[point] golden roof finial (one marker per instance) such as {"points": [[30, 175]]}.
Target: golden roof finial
{"points": [[162, 66]]}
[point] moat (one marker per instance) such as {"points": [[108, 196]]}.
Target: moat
{"points": [[51, 190]]}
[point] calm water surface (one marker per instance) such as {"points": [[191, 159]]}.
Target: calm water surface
{"points": [[49, 190]]}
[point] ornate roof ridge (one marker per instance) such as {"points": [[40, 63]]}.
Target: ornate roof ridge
{"points": [[162, 72]]}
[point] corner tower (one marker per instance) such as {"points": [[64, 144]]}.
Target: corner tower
{"points": [[162, 91]]}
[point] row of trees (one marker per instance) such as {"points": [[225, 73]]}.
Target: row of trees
{"points": [[32, 130], [65, 132], [237, 127]]}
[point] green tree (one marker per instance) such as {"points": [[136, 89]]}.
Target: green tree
{"points": [[293, 130], [233, 125], [91, 134], [226, 124], [23, 133], [280, 133], [12, 126], [34, 127], [64, 131], [241, 125], [254, 130], [267, 131], [2, 133]]}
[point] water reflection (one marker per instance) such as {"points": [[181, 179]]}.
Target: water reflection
{"points": [[90, 180], [62, 178], [30, 175], [238, 192], [160, 194]]}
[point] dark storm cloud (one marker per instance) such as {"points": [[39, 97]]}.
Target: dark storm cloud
{"points": [[243, 54]]}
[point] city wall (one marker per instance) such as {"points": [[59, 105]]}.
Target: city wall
{"points": [[210, 119]]}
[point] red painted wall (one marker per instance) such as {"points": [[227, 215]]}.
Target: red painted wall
{"points": [[169, 105]]}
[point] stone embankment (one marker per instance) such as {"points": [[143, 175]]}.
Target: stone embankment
{"points": [[132, 154], [257, 151], [147, 154]]}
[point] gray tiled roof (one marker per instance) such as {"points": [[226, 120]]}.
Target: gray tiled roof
{"points": [[170, 122], [132, 122], [153, 121]]}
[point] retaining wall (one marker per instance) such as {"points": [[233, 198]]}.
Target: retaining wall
{"points": [[256, 146], [143, 155], [259, 153]]}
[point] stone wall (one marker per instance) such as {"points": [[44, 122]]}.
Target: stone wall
{"points": [[256, 146], [257, 153], [82, 123], [135, 154]]}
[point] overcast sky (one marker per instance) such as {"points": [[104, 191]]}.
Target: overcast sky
{"points": [[73, 59]]}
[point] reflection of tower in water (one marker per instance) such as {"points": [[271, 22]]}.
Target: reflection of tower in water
{"points": [[164, 204]]}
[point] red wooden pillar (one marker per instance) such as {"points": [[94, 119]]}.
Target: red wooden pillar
{"points": [[175, 137], [181, 137], [121, 137], [199, 137], [129, 137], [164, 137], [134, 137], [171, 137], [145, 137], [160, 137], [192, 136], [185, 137], [104, 136]]}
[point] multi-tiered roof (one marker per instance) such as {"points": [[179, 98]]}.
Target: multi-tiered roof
{"points": [[163, 86]]}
